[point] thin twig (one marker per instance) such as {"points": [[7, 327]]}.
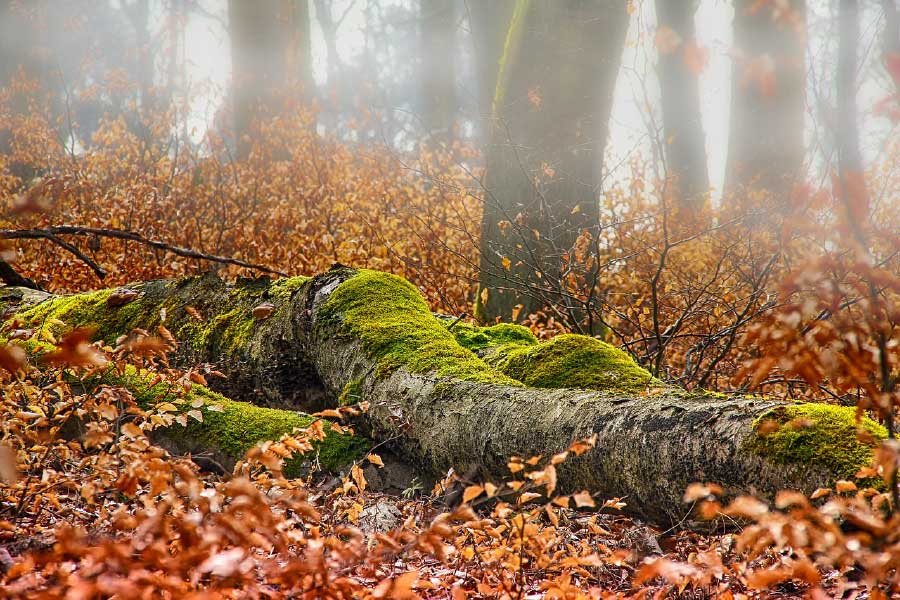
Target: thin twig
{"points": [[51, 233]]}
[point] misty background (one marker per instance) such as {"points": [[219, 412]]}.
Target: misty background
{"points": [[368, 56]]}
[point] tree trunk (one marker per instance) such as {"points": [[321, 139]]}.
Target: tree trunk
{"points": [[448, 394], [438, 72], [766, 149], [488, 22], [849, 156], [228, 428], [551, 112], [266, 48], [891, 41], [683, 127]]}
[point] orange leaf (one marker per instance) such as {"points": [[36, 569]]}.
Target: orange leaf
{"points": [[472, 492], [583, 499]]}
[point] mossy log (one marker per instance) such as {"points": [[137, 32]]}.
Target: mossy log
{"points": [[444, 394]]}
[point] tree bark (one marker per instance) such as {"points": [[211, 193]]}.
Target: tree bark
{"points": [[442, 397], [766, 149], [438, 68], [488, 22], [267, 52], [891, 41], [849, 155], [551, 110], [685, 143]]}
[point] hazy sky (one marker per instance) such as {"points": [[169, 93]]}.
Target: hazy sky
{"points": [[209, 64]]}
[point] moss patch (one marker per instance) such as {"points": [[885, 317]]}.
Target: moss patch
{"points": [[476, 338], [819, 434], [239, 426], [573, 361], [352, 393], [392, 320], [285, 287]]}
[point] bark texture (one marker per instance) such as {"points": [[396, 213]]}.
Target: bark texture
{"points": [[438, 68], [444, 394], [551, 110]]}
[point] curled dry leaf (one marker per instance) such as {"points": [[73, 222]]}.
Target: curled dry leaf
{"points": [[263, 311], [76, 350], [121, 297], [9, 472], [12, 357]]}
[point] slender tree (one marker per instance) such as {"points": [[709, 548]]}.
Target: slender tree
{"points": [[488, 22], [551, 111], [138, 13], [891, 40], [438, 68], [266, 48], [766, 149], [852, 189], [678, 70]]}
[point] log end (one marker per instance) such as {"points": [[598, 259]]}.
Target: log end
{"points": [[817, 434]]}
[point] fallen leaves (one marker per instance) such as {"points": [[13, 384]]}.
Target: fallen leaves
{"points": [[76, 350]]}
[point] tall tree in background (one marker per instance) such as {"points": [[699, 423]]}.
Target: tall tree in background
{"points": [[438, 40], [850, 164], [678, 70], [20, 53], [891, 40], [488, 22], [766, 149], [138, 13], [551, 113], [269, 44]]}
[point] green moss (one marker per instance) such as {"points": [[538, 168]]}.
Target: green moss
{"points": [[392, 320], [283, 288], [228, 331], [820, 434], [90, 309], [477, 338], [80, 309], [239, 426], [352, 393], [511, 45], [573, 361]]}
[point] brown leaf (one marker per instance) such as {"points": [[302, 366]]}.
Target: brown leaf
{"points": [[9, 472], [12, 357], [121, 297], [75, 350], [263, 311]]}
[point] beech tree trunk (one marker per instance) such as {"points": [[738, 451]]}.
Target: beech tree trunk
{"points": [[439, 398], [270, 47], [765, 148], [488, 22], [551, 110], [680, 98], [438, 72]]}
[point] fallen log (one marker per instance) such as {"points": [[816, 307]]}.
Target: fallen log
{"points": [[449, 394]]}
